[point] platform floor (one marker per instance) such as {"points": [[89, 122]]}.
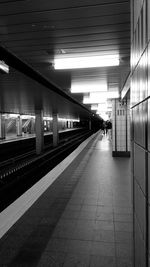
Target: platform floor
{"points": [[83, 219]]}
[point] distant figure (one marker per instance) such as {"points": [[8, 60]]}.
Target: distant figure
{"points": [[108, 125], [103, 127], [108, 128]]}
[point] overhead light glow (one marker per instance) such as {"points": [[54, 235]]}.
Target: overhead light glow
{"points": [[104, 95], [4, 67], [103, 115], [102, 107], [86, 62], [88, 87], [94, 106], [93, 100], [99, 97]]}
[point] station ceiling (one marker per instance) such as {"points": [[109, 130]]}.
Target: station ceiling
{"points": [[37, 31]]}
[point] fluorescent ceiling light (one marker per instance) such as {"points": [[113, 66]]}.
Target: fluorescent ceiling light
{"points": [[94, 106], [99, 97], [88, 87], [100, 112], [86, 62], [104, 95], [113, 94], [88, 100], [4, 67], [104, 107], [101, 108], [101, 105], [104, 116]]}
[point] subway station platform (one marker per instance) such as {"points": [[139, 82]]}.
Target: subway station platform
{"points": [[83, 219]]}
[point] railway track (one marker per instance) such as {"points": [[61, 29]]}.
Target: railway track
{"points": [[19, 174]]}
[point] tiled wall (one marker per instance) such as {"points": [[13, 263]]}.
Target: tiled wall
{"points": [[121, 126], [140, 104]]}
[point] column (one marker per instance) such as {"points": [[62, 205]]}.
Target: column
{"points": [[32, 125], [19, 126], [65, 124], [2, 126], [71, 124], [68, 124], [120, 129], [39, 131], [55, 130]]}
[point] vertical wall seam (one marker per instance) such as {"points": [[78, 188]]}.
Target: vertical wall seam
{"points": [[115, 128], [126, 127]]}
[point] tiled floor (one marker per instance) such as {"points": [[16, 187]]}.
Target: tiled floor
{"points": [[83, 219]]}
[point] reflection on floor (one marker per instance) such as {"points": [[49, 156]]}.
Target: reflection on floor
{"points": [[83, 219]]}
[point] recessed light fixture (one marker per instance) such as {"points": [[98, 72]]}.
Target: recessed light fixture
{"points": [[94, 106], [88, 87], [99, 97], [86, 62]]}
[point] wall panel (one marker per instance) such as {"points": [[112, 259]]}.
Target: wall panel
{"points": [[140, 104], [139, 167]]}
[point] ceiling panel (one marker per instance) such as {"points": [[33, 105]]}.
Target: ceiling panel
{"points": [[38, 31]]}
